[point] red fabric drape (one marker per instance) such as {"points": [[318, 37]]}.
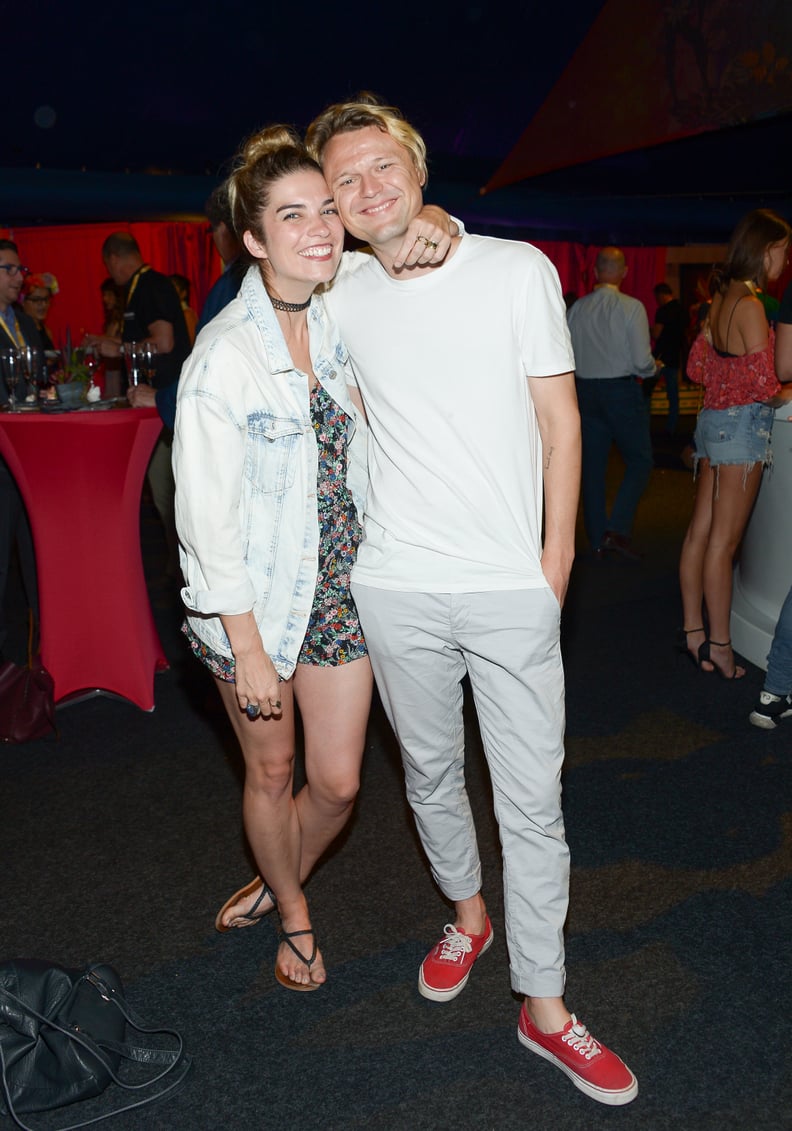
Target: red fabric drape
{"points": [[73, 254], [569, 260], [575, 265]]}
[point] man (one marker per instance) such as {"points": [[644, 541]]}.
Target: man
{"points": [[152, 311], [610, 337], [668, 332], [17, 329], [218, 213], [153, 314], [464, 367]]}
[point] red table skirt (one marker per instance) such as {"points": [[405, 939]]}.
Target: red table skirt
{"points": [[81, 475]]}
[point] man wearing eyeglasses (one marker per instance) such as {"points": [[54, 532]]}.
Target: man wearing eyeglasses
{"points": [[17, 329]]}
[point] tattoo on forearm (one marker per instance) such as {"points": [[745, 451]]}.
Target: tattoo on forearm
{"points": [[548, 457]]}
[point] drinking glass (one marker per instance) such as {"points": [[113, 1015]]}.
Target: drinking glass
{"points": [[32, 362], [150, 361], [9, 362], [90, 360], [133, 360]]}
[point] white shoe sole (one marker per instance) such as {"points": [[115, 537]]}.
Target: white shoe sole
{"points": [[766, 722], [602, 1095]]}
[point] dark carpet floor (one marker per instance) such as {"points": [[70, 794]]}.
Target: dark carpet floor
{"points": [[120, 839]]}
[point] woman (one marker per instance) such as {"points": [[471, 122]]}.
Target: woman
{"points": [[182, 285], [269, 439], [733, 358], [113, 306], [37, 294], [111, 372]]}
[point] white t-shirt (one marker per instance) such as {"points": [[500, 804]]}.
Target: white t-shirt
{"points": [[455, 493]]}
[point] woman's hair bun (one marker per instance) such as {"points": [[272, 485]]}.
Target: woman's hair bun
{"points": [[269, 140]]}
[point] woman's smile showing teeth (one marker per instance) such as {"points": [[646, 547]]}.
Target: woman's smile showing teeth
{"points": [[321, 252]]}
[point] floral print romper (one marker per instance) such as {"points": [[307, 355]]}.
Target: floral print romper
{"points": [[333, 635]]}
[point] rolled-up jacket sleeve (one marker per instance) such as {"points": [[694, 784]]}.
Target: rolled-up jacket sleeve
{"points": [[208, 465]]}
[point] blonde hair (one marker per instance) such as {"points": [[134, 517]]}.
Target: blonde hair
{"points": [[264, 158], [366, 110]]}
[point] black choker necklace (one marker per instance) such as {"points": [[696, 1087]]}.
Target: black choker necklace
{"points": [[289, 307]]}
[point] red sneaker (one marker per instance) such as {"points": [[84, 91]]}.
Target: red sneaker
{"points": [[589, 1065], [446, 969]]}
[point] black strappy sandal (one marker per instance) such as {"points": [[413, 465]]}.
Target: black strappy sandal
{"points": [[251, 918], [301, 987], [705, 657], [683, 649]]}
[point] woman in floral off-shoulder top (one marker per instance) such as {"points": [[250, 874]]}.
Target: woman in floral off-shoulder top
{"points": [[733, 359]]}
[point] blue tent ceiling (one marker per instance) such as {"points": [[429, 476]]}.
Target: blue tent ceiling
{"points": [[125, 114]]}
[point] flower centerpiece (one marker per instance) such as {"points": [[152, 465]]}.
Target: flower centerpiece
{"points": [[71, 367], [71, 375]]}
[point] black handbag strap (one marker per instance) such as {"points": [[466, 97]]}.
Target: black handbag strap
{"points": [[177, 1062]]}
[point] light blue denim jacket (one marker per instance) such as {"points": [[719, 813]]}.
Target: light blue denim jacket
{"points": [[245, 463]]}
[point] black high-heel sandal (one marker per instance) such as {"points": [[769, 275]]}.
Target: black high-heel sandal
{"points": [[683, 649], [705, 657]]}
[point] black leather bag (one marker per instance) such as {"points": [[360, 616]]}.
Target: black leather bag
{"points": [[27, 710], [27, 706], [62, 1040]]}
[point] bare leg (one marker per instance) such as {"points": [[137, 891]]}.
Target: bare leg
{"points": [[549, 1014], [691, 561], [470, 915], [731, 509], [268, 810], [334, 705]]}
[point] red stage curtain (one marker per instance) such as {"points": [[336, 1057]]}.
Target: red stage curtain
{"points": [[73, 253], [575, 265], [569, 260]]}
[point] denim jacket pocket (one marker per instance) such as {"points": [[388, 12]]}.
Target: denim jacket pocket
{"points": [[272, 452]]}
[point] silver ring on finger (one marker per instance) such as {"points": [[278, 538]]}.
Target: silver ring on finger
{"points": [[252, 711]]}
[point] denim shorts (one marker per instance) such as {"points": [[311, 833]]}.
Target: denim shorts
{"points": [[739, 435]]}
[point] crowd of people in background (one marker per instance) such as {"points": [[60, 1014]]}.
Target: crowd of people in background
{"points": [[620, 353], [271, 400]]}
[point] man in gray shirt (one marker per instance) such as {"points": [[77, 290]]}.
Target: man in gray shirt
{"points": [[610, 337]]}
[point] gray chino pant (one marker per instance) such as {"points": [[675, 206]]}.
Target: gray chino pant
{"points": [[421, 645]]}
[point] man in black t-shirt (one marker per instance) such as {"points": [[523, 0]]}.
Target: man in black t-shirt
{"points": [[152, 313], [17, 329], [152, 310], [668, 332]]}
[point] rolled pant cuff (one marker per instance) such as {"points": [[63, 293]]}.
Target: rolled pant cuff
{"points": [[545, 987], [461, 889]]}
